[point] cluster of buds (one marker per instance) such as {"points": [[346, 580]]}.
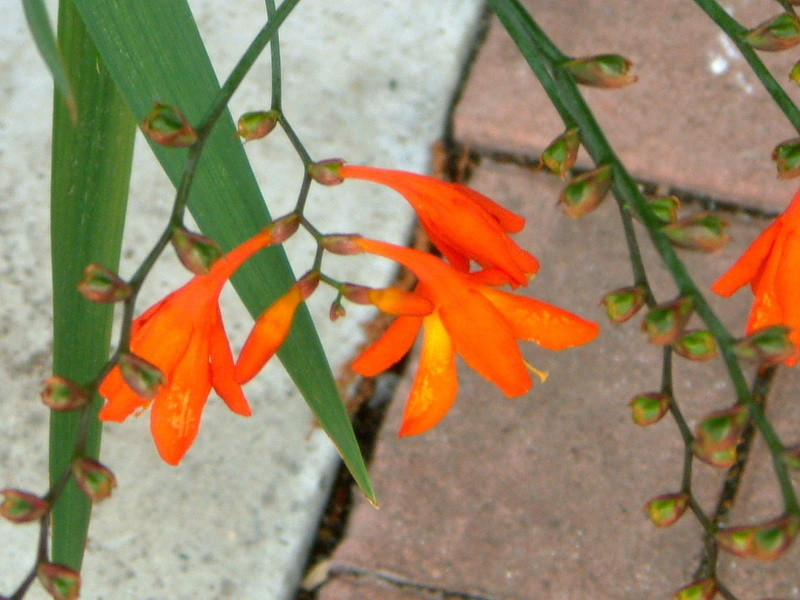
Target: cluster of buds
{"points": [[766, 541]]}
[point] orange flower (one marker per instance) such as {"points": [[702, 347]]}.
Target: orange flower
{"points": [[463, 224], [183, 335], [771, 265], [471, 318]]}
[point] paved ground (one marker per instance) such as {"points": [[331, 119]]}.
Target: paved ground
{"points": [[541, 496]]}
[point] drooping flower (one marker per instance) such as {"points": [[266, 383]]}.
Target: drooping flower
{"points": [[184, 336], [771, 265], [472, 318], [463, 224]]}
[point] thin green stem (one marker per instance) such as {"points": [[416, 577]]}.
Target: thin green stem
{"points": [[735, 32], [275, 64], [295, 140]]}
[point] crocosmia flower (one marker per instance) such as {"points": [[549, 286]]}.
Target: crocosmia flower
{"points": [[463, 224], [472, 318], [183, 335], [771, 265]]}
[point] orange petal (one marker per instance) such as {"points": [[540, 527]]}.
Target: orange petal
{"points": [[121, 399], [395, 301], [746, 268], [486, 341], [551, 327], [509, 221], [222, 370], [389, 348], [176, 411], [435, 385], [788, 288], [269, 332]]}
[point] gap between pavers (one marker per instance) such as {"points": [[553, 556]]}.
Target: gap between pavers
{"points": [[368, 82], [541, 496]]}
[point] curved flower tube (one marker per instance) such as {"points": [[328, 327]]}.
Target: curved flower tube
{"points": [[463, 224], [771, 265], [184, 336], [471, 318]]}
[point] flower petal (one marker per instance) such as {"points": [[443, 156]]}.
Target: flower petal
{"points": [[788, 289], [435, 385], [121, 399], [509, 221], [222, 370], [746, 268], [551, 327], [389, 348]]}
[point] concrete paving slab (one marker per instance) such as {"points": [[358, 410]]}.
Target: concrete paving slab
{"points": [[369, 82], [541, 496], [697, 118]]}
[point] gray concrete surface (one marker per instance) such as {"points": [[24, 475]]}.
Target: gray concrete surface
{"points": [[236, 518]]}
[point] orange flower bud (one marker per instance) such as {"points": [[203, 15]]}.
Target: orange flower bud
{"points": [[787, 158], [767, 346], [700, 232], [560, 156], [778, 33], [665, 322], [390, 300], [61, 582], [102, 285], [272, 328], [696, 345], [22, 507], [607, 71], [167, 126], [282, 228], [702, 589], [722, 429], [256, 125], [142, 377], [766, 541], [623, 303], [649, 408], [665, 208], [61, 394], [344, 245], [196, 252], [665, 510], [94, 479], [326, 172], [585, 192]]}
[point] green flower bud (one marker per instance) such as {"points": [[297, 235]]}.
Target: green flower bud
{"points": [[256, 125], [102, 285], [702, 589], [787, 158], [767, 346], [22, 507], [623, 303], [665, 322], [665, 510], [560, 156], [94, 479], [196, 252], [722, 429], [607, 71], [585, 192], [61, 394], [721, 459], [766, 541], [665, 208], [647, 409], [794, 74], [61, 582], [167, 126], [143, 377], [326, 172], [696, 345], [778, 33], [701, 232]]}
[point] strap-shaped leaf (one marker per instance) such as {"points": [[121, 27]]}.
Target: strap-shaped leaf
{"points": [[154, 53]]}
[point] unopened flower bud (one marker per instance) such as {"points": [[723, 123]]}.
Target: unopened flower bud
{"points": [[143, 377], [794, 74], [390, 300], [196, 252], [326, 172], [22, 507], [560, 156], [62, 394], [282, 228], [647, 409], [767, 346], [337, 311], [623, 303], [61, 582], [94, 479], [791, 456], [344, 245], [700, 232], [604, 71], [665, 510], [722, 429], [256, 125], [787, 158], [102, 285], [702, 589], [665, 322], [721, 459], [665, 208], [778, 33], [585, 192], [696, 345], [766, 541], [167, 126]]}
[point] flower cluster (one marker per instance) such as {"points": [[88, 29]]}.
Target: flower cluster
{"points": [[179, 350]]}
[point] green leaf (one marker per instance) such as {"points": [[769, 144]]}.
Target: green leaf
{"points": [[171, 66], [89, 190], [39, 24]]}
